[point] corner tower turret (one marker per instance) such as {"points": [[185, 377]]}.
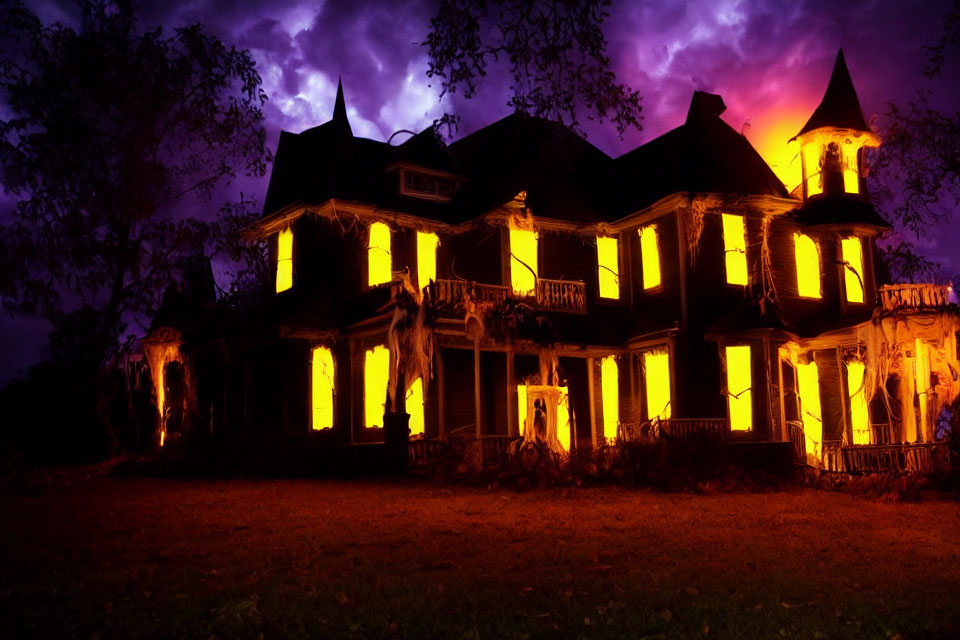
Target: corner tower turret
{"points": [[831, 140]]}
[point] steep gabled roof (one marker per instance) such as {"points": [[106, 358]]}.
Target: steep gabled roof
{"points": [[565, 176], [840, 106], [327, 162], [704, 154]]}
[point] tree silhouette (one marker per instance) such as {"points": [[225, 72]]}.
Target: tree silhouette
{"points": [[107, 127], [556, 52], [917, 169]]}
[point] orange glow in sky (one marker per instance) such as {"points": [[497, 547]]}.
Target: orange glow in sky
{"points": [[769, 134]]}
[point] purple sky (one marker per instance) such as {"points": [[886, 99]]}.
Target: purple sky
{"points": [[769, 60]]}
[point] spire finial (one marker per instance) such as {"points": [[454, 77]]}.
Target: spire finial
{"points": [[340, 106]]}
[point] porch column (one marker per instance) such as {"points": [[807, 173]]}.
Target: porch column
{"points": [[513, 426], [441, 417], [476, 387], [593, 403]]}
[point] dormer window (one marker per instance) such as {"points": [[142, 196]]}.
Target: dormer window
{"points": [[284, 259], [649, 256], [735, 248], [426, 184], [808, 266], [851, 250], [608, 267], [379, 257]]}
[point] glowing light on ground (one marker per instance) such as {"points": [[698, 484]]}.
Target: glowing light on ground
{"points": [[379, 256], [649, 256], [808, 266], [414, 406], [323, 387], [808, 386], [739, 382], [426, 258], [656, 367], [610, 396], [859, 413], [376, 377], [852, 252], [608, 267], [735, 248], [284, 259]]}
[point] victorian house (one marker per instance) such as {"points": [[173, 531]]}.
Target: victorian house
{"points": [[520, 283]]}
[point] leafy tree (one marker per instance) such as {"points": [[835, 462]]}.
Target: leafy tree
{"points": [[917, 169], [555, 49], [107, 128]]}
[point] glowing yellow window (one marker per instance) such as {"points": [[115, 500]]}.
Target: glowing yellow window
{"points": [[414, 406], [610, 396], [608, 267], [376, 377], [808, 266], [379, 258], [811, 166], [851, 179], [523, 261], [656, 367], [426, 258], [739, 382], [859, 414], [808, 385], [284, 259], [649, 256], [322, 383], [852, 252], [735, 248]]}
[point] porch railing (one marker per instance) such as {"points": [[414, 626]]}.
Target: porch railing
{"points": [[561, 295], [673, 428], [902, 297], [496, 449], [550, 295], [921, 457], [799, 441], [425, 451]]}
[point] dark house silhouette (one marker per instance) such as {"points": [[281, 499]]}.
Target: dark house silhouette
{"points": [[520, 283]]}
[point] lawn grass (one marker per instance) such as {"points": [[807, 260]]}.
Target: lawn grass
{"points": [[99, 557]]}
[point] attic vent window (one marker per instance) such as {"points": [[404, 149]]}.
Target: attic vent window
{"points": [[427, 186]]}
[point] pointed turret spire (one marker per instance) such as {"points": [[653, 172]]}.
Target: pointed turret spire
{"points": [[340, 108], [839, 107]]}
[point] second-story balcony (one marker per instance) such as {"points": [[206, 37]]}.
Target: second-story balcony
{"points": [[914, 297], [549, 295]]}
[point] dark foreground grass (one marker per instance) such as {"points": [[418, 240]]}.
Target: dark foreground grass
{"points": [[95, 557]]}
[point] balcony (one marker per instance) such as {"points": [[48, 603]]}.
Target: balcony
{"points": [[551, 295], [914, 297]]}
